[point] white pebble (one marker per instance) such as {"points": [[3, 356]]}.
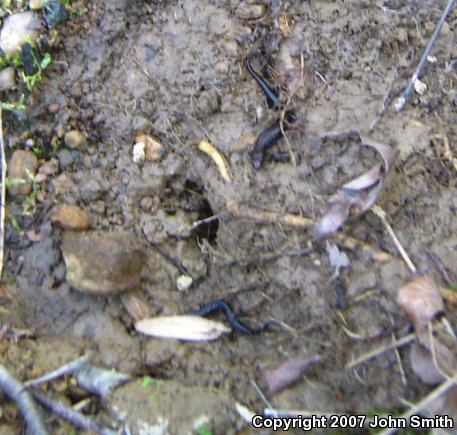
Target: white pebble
{"points": [[420, 87], [138, 153], [7, 78], [184, 282]]}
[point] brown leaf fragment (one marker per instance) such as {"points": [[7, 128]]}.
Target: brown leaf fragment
{"points": [[135, 304], [421, 300], [334, 216], [443, 356], [356, 196], [364, 182], [288, 373], [423, 366], [387, 152]]}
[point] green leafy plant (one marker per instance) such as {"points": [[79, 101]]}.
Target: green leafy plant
{"points": [[14, 223], [20, 105], [203, 430], [29, 205], [146, 381], [38, 150], [40, 65], [56, 144]]}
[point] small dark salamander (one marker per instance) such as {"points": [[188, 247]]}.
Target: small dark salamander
{"points": [[268, 137], [217, 305], [270, 93]]}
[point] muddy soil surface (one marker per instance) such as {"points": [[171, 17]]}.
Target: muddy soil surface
{"points": [[175, 70]]}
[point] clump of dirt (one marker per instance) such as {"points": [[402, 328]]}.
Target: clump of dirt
{"points": [[174, 70]]}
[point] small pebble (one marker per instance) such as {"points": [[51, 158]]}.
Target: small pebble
{"points": [[230, 47], [65, 158], [146, 203], [250, 12], [51, 167], [75, 139], [21, 163], [208, 102], [221, 67], [420, 87], [138, 153], [218, 23], [70, 217], [62, 184], [153, 150], [7, 78], [17, 30], [54, 108], [184, 282], [29, 143]]}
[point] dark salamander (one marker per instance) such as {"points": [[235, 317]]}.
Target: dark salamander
{"points": [[270, 93], [268, 137], [220, 305]]}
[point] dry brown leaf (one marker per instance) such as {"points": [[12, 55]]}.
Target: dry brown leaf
{"points": [[423, 365], [192, 328], [421, 300], [442, 353], [135, 304], [288, 373], [334, 216], [358, 195]]}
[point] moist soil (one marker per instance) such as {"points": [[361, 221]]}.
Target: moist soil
{"points": [[175, 70]]}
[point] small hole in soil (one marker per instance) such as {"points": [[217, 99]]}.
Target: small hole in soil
{"points": [[207, 230]]}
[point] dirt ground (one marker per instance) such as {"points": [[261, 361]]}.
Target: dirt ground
{"points": [[174, 70]]}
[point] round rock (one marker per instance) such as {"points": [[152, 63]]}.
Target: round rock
{"points": [[70, 217], [102, 263], [17, 30], [7, 78], [21, 164], [75, 139]]}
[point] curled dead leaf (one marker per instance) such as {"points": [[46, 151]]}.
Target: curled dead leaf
{"points": [[358, 195], [334, 216], [420, 299], [192, 328]]}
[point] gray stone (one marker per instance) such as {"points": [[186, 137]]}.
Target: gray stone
{"points": [[17, 30], [75, 139], [22, 164], [7, 78]]}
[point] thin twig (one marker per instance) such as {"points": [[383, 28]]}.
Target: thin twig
{"points": [[380, 350], [77, 419], [67, 369], [15, 390], [425, 402], [207, 220], [400, 103], [260, 393], [378, 211], [3, 196], [168, 257], [400, 364]]}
